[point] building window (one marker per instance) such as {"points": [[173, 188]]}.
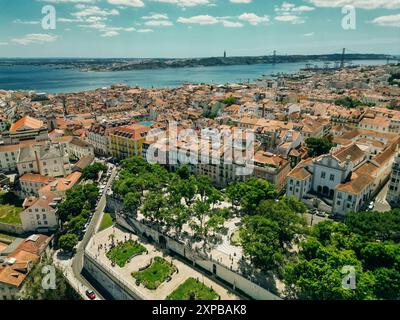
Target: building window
{"points": [[323, 175], [332, 177]]}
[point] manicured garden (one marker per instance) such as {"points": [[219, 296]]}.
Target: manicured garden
{"points": [[10, 208], [123, 252], [235, 238], [193, 289], [158, 272]]}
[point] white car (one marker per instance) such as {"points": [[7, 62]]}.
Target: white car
{"points": [[371, 205]]}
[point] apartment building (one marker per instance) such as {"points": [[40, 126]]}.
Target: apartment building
{"points": [[59, 186], [127, 141], [9, 157], [31, 183], [377, 123], [97, 137], [393, 195], [219, 164], [39, 213], [49, 159], [79, 148]]}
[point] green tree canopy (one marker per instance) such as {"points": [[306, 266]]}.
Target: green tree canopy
{"points": [[92, 171], [67, 242], [374, 226], [318, 146], [250, 193]]}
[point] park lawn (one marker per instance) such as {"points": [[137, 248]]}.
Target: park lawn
{"points": [[156, 274], [10, 214], [106, 222], [125, 251], [10, 207], [6, 237], [192, 289]]}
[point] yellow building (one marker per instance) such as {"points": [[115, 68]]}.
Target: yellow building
{"points": [[127, 141]]}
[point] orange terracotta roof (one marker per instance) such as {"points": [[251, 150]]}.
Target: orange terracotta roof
{"points": [[28, 122], [352, 150], [356, 185], [299, 173], [31, 177]]}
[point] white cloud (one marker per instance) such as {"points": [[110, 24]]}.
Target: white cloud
{"points": [[185, 3], [109, 34], [35, 38], [86, 11], [230, 24], [156, 16], [68, 20], [290, 8], [289, 12], [3, 43], [362, 4], [19, 21], [309, 34], [128, 3], [290, 18], [158, 23], [201, 19], [145, 30], [70, 1], [388, 21], [253, 19], [241, 1]]}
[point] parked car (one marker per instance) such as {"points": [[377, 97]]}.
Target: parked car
{"points": [[371, 205], [90, 294]]}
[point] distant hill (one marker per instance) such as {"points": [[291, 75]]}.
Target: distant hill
{"points": [[162, 63]]}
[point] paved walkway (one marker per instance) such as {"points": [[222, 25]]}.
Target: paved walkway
{"points": [[381, 205]]}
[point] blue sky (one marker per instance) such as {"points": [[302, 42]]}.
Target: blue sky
{"points": [[196, 28]]}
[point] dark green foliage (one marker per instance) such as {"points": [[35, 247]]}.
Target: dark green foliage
{"points": [[267, 236], [67, 242], [229, 101], [34, 289], [374, 226], [318, 146], [348, 102], [394, 78], [92, 171], [250, 193], [366, 241]]}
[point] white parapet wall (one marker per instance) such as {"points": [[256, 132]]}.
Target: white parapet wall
{"points": [[236, 280]]}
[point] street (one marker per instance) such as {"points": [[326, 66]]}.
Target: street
{"points": [[72, 268]]}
